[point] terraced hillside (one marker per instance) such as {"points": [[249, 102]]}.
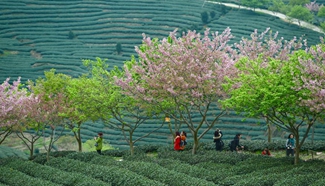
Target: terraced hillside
{"points": [[34, 34], [37, 35]]}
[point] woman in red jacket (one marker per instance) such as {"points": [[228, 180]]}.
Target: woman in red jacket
{"points": [[183, 142], [177, 142]]}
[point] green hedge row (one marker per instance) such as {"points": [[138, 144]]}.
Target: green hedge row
{"points": [[52, 174], [179, 166], [8, 152], [112, 174], [150, 170], [13, 177]]}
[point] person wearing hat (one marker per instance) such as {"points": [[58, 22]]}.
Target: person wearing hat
{"points": [[99, 142]]}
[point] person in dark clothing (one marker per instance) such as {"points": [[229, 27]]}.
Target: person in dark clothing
{"points": [[217, 140], [235, 146], [290, 145]]}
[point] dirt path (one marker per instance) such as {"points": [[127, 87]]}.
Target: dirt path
{"points": [[276, 14]]}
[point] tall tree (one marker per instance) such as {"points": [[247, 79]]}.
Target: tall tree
{"points": [[115, 109], [12, 99], [300, 13], [78, 92], [269, 88], [183, 75], [55, 104], [34, 122]]}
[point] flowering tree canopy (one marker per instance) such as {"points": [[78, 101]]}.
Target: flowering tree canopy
{"points": [[288, 91], [115, 109], [183, 75], [13, 100]]}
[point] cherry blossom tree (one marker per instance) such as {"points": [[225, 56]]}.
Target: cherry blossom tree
{"points": [[34, 122], [54, 104], [115, 109], [282, 89], [12, 99], [313, 6], [183, 76]]}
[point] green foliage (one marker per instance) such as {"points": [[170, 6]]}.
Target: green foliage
{"points": [[255, 3], [204, 17], [153, 171], [322, 25], [89, 146], [321, 12], [279, 6], [299, 2], [223, 9], [11, 152], [110, 174], [51, 174], [300, 12], [11, 176], [205, 168]]}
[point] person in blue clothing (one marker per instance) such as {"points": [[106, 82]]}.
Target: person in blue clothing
{"points": [[290, 145], [99, 142]]}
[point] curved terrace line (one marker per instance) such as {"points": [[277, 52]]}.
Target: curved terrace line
{"points": [[276, 14]]}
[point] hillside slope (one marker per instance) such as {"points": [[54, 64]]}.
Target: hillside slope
{"points": [[34, 34], [37, 35]]}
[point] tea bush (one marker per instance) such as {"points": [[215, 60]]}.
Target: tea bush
{"points": [[52, 174], [113, 175], [11, 176]]}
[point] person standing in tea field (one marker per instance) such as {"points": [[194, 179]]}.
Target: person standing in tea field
{"points": [[217, 139], [290, 145], [99, 142], [177, 142], [183, 140]]}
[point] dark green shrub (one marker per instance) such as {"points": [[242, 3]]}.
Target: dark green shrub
{"points": [[118, 48], [13, 177], [1, 52], [71, 35], [206, 156], [212, 14], [110, 174], [116, 153], [41, 159], [83, 156], [204, 17], [154, 171], [52, 174]]}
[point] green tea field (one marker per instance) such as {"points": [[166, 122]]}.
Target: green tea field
{"points": [[38, 35]]}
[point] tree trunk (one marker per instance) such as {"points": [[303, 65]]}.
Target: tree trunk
{"points": [[4, 134], [131, 148], [79, 138], [31, 154], [269, 136], [131, 143], [297, 150], [195, 142]]}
